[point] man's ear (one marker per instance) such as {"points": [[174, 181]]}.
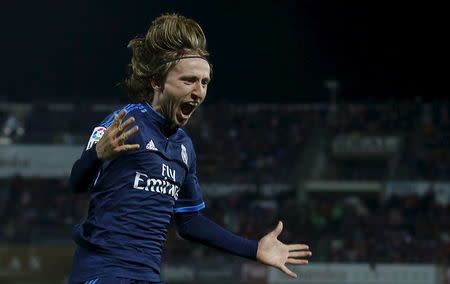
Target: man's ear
{"points": [[156, 85]]}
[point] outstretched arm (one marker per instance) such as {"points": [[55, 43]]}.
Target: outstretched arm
{"points": [[110, 145], [196, 227], [269, 250]]}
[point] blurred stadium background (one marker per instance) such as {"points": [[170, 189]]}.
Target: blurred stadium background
{"points": [[320, 115]]}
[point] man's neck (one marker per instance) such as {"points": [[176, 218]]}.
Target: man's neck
{"points": [[172, 127], [156, 104]]}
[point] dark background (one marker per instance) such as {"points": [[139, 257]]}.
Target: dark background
{"points": [[262, 51]]}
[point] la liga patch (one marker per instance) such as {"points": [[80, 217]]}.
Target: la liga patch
{"points": [[97, 134]]}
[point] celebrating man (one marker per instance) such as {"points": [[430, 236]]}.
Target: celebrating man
{"points": [[138, 186]]}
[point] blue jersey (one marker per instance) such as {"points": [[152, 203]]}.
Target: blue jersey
{"points": [[133, 199]]}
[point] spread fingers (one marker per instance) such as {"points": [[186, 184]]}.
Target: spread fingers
{"points": [[124, 136]]}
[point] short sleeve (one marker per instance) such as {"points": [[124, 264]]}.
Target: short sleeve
{"points": [[190, 198]]}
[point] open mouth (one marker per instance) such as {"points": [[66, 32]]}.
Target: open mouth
{"points": [[187, 108]]}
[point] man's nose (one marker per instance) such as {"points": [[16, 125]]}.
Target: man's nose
{"points": [[196, 97], [198, 93]]}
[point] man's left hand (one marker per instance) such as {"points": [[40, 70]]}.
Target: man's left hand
{"points": [[277, 254]]}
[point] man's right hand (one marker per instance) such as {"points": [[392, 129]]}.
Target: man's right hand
{"points": [[112, 143]]}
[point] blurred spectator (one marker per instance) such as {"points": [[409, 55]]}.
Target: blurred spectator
{"points": [[12, 128]]}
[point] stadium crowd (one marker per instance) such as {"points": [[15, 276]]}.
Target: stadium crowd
{"points": [[260, 144], [260, 138], [233, 143], [424, 130]]}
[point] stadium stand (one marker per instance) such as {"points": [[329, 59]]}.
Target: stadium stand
{"points": [[260, 146]]}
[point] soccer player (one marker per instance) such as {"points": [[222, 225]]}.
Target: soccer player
{"points": [[137, 187]]}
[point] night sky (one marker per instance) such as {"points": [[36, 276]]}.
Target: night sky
{"points": [[262, 51]]}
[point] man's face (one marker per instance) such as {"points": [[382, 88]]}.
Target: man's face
{"points": [[184, 90]]}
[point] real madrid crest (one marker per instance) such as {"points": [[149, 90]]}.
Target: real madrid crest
{"points": [[184, 155]]}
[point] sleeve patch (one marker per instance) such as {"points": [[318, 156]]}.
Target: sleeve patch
{"points": [[97, 134]]}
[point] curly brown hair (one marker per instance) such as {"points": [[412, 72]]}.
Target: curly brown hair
{"points": [[170, 36]]}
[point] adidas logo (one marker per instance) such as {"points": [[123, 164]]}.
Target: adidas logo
{"points": [[151, 146]]}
